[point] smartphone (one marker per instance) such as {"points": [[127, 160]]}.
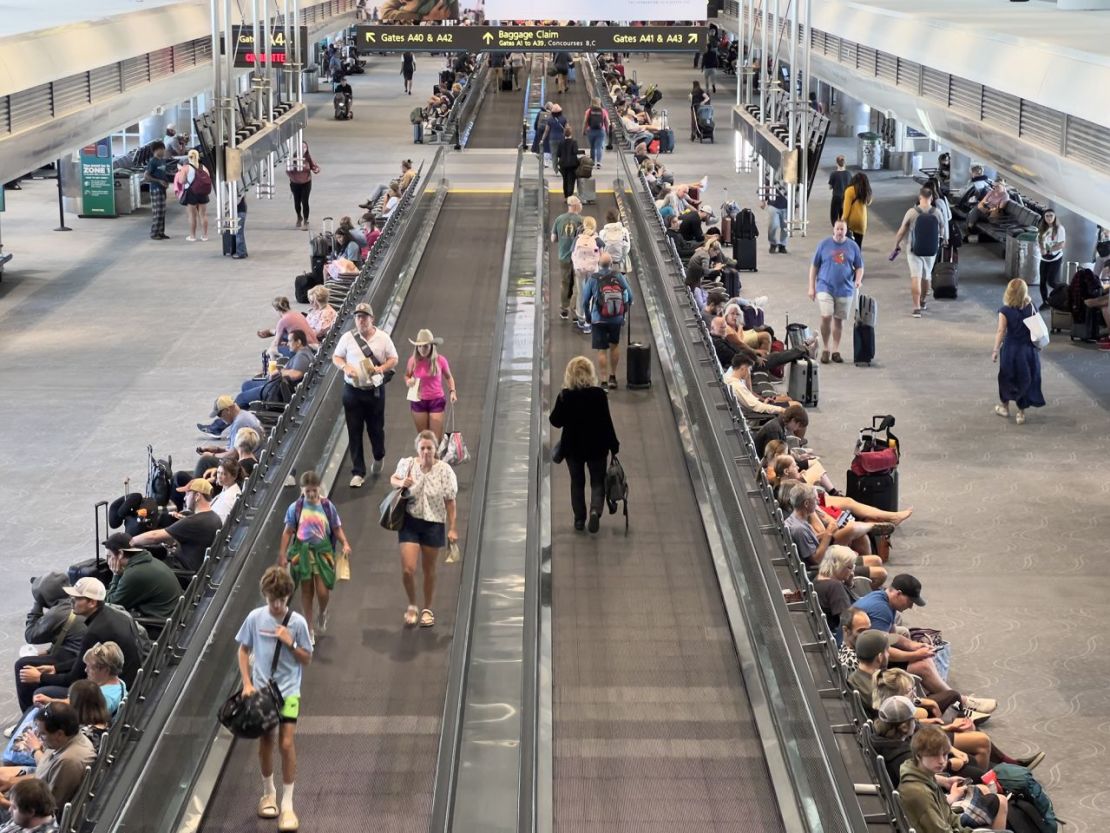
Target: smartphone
{"points": [[897, 251]]}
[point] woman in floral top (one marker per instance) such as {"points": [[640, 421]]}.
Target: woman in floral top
{"points": [[429, 514], [321, 314]]}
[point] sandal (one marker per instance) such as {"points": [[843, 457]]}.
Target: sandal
{"points": [[427, 618], [1002, 411], [268, 807], [411, 613]]}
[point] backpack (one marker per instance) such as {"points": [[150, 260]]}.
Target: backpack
{"points": [[616, 489], [595, 120], [745, 227], [926, 233], [1084, 284], [417, 115], [616, 243], [1020, 782], [584, 255], [202, 183], [159, 479], [143, 642], [329, 511], [610, 296]]}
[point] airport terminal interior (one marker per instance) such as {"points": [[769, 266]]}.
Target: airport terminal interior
{"points": [[833, 557]]}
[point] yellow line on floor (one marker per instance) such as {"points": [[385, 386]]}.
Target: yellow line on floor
{"points": [[551, 190]]}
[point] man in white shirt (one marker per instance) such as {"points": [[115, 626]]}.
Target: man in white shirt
{"points": [[367, 356], [738, 377]]}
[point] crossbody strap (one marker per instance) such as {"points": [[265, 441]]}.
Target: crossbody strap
{"points": [[65, 632], [277, 648], [364, 346]]}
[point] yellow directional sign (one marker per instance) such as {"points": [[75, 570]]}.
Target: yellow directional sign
{"points": [[532, 38]]}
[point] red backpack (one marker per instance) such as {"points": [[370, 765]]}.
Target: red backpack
{"points": [[202, 183]]}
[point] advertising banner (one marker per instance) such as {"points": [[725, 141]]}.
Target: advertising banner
{"points": [[647, 10], [98, 186], [531, 38]]}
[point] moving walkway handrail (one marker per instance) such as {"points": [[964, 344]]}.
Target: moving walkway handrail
{"points": [[794, 732], [264, 491]]}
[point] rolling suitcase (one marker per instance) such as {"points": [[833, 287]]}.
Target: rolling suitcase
{"points": [[1060, 320], [863, 332], [638, 360], [305, 282], [878, 490], [744, 253], [507, 84], [946, 273], [95, 567], [666, 141], [802, 386], [726, 230], [587, 190], [873, 476]]}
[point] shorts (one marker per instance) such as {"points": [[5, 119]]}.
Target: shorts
{"points": [[291, 709], [312, 558], [921, 267], [425, 533], [429, 406], [831, 307], [605, 334]]}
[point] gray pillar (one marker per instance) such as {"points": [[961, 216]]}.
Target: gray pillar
{"points": [[153, 127], [849, 117], [961, 170], [1081, 235]]}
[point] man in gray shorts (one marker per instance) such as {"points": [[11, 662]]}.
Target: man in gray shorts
{"points": [[835, 274]]}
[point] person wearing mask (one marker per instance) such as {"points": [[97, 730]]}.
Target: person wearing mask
{"points": [[195, 182], [564, 231], [141, 583], [606, 299], [158, 179], [838, 184], [1050, 244], [595, 127], [429, 524], [430, 374], [271, 628], [566, 160], [1019, 359], [367, 357], [857, 197], [588, 437], [835, 274], [300, 171]]}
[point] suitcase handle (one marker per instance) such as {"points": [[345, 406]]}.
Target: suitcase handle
{"points": [[100, 504]]}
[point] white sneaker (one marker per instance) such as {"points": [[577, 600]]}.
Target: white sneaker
{"points": [[204, 240], [986, 705], [357, 481], [760, 302], [190, 239]]}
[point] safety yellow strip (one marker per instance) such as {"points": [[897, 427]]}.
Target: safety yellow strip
{"points": [[551, 190]]}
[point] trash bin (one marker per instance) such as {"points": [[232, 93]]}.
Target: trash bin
{"points": [[869, 149], [1022, 258], [310, 79], [125, 204]]}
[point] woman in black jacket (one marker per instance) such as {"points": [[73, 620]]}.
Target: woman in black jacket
{"points": [[568, 161], [582, 411]]}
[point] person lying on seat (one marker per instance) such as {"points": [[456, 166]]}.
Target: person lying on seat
{"points": [[787, 470]]}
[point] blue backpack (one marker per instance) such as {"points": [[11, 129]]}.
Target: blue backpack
{"points": [[1020, 782]]}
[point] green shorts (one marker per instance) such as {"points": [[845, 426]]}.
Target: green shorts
{"points": [[292, 709], [308, 559]]}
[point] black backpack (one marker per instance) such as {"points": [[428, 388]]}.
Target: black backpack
{"points": [[926, 233], [159, 481], [596, 120], [745, 227]]}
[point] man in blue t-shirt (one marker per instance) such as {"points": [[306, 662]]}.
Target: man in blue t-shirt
{"points": [[264, 630], [834, 276], [606, 298]]}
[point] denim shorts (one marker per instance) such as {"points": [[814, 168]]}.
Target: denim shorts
{"points": [[422, 532], [429, 406]]}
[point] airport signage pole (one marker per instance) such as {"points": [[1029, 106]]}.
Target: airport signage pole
{"points": [[61, 204]]}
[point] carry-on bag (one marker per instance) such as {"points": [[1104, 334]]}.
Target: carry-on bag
{"points": [[257, 715], [616, 488], [946, 273], [587, 191], [873, 475], [802, 385], [305, 282], [744, 253], [863, 331], [638, 359], [228, 240], [95, 567]]}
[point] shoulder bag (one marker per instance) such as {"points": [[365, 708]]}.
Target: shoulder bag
{"points": [[1038, 330], [391, 512], [257, 715], [452, 448], [366, 351]]}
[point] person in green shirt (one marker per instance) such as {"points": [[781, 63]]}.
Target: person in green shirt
{"points": [[140, 583], [564, 231]]}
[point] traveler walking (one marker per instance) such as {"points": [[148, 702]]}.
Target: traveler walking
{"points": [[428, 372], [615, 238], [567, 160], [562, 63], [776, 220], [923, 223], [158, 179], [585, 258], [1019, 360], [606, 298], [564, 231], [582, 411], [857, 196], [310, 542], [275, 628], [196, 186], [553, 136], [408, 69], [835, 274], [1050, 243], [515, 63], [300, 173], [366, 356], [838, 184], [429, 524], [709, 63], [595, 127]]}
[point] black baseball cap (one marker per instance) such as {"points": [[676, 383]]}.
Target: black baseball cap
{"points": [[117, 541], [909, 587]]}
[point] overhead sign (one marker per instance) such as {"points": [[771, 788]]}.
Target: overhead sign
{"points": [[247, 55], [98, 185], [658, 10], [532, 38]]}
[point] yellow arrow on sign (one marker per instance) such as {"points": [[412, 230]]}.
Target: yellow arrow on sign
{"points": [[487, 37], [691, 37], [371, 37]]}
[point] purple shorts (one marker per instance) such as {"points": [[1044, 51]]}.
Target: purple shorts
{"points": [[429, 406]]}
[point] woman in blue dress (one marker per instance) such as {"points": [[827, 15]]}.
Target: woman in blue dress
{"points": [[1019, 369]]}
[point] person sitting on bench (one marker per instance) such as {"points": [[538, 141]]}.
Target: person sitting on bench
{"points": [[992, 206]]}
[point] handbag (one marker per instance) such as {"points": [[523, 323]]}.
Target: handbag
{"points": [[452, 448], [343, 567], [391, 512], [1038, 330], [557, 452], [257, 715]]}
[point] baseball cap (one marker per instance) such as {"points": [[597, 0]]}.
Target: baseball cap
{"points": [[199, 485], [896, 709], [87, 588], [222, 402], [364, 309], [117, 541], [870, 644], [910, 587]]}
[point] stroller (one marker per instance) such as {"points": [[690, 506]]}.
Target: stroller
{"points": [[342, 103], [701, 123]]}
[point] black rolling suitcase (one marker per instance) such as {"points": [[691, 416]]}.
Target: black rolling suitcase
{"points": [[638, 360], [305, 282], [745, 231], [946, 273], [507, 83], [873, 476], [95, 567], [863, 331]]}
